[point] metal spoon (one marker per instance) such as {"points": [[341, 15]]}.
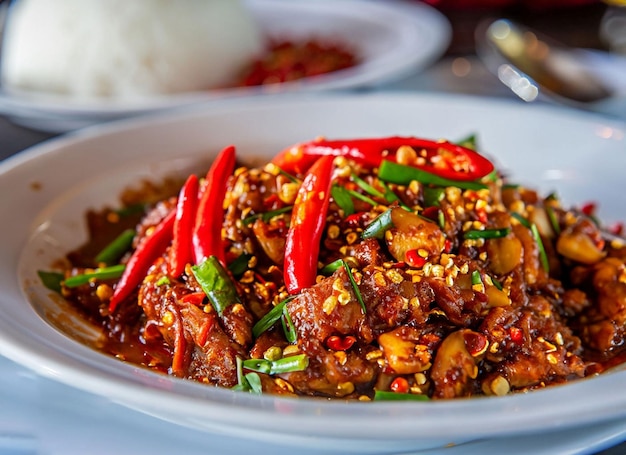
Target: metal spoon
{"points": [[533, 65]]}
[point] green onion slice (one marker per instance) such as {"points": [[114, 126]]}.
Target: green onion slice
{"points": [[542, 251], [239, 265], [288, 328], [103, 273], [378, 227], [266, 216], [254, 382], [216, 284], [403, 175], [111, 253], [487, 233], [369, 189], [362, 197], [284, 365], [343, 199], [270, 318], [553, 220], [523, 221], [383, 395], [433, 196], [332, 268], [476, 279]]}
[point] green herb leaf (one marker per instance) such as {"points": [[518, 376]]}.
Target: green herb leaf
{"points": [[51, 280]]}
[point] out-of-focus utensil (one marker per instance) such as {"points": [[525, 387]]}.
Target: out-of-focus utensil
{"points": [[535, 66]]}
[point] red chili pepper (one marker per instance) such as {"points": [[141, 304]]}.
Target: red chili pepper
{"points": [[413, 258], [517, 336], [399, 385], [149, 249], [207, 232], [442, 158], [193, 298], [337, 343], [181, 252], [307, 225]]}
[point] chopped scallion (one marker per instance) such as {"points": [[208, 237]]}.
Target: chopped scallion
{"points": [[383, 395], [283, 365], [369, 189], [542, 251], [378, 227], [266, 216], [487, 233], [288, 328], [104, 273], [111, 253], [239, 265], [403, 175], [269, 319]]}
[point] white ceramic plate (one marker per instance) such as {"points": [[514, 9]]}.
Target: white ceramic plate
{"points": [[393, 38], [46, 189]]}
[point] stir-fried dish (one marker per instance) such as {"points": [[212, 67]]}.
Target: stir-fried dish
{"points": [[383, 268]]}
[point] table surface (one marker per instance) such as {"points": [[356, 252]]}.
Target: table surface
{"points": [[38, 415]]}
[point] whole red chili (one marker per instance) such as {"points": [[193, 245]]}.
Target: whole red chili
{"points": [[149, 249], [207, 231], [441, 158], [181, 252], [308, 217]]}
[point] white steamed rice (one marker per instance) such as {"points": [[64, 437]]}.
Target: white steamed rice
{"points": [[126, 48]]}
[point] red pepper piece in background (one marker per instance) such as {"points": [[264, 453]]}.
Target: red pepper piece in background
{"points": [[443, 158], [149, 249], [307, 225], [207, 231], [181, 252]]}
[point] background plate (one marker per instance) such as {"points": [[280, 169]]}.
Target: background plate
{"points": [[393, 38]]}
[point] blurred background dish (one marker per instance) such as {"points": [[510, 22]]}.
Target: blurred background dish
{"points": [[389, 40]]}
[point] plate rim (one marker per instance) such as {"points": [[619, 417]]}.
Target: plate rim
{"points": [[397, 413]]}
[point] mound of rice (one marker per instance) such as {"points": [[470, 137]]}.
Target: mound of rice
{"points": [[126, 48]]}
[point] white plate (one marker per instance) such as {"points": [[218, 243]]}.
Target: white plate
{"points": [[393, 39], [46, 189]]}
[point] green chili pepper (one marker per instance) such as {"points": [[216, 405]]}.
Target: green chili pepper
{"points": [[216, 284], [383, 395], [403, 175]]}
